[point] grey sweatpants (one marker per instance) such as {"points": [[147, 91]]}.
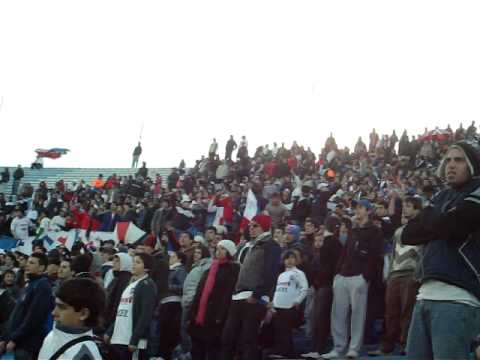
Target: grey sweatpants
{"points": [[349, 308]]}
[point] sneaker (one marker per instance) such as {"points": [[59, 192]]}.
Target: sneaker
{"points": [[331, 355], [352, 354], [312, 355]]}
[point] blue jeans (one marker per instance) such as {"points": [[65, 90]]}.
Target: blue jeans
{"points": [[442, 330]]}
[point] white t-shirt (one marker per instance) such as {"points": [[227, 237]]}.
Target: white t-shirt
{"points": [[19, 228], [122, 332], [440, 291], [57, 338], [292, 287]]}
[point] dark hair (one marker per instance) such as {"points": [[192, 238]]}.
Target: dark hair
{"points": [[54, 260], [415, 201], [213, 228], [311, 221], [181, 256], [348, 223], [42, 259], [147, 261], [8, 272], [83, 293], [108, 251], [41, 247], [14, 259], [189, 234], [81, 263], [204, 250], [289, 253]]}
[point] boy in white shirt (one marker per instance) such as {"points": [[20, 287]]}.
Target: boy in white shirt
{"points": [[79, 305], [291, 290]]}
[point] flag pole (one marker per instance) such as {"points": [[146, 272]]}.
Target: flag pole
{"points": [[141, 130]]}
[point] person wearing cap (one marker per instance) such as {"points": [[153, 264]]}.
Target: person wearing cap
{"points": [[212, 300], [293, 238], [252, 291], [355, 269], [445, 317]]}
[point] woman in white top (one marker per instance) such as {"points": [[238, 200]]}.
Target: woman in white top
{"points": [[130, 331], [290, 292]]}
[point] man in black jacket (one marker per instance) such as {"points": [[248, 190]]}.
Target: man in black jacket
{"points": [[254, 285], [28, 323], [447, 311], [136, 155], [231, 145], [356, 269], [17, 177]]}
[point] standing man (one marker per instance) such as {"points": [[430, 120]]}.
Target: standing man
{"points": [[254, 286], [17, 178], [5, 178], [27, 325], [402, 284], [231, 145], [136, 155], [447, 312], [212, 151], [356, 268]]}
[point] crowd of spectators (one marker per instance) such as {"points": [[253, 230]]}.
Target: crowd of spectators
{"points": [[325, 254]]}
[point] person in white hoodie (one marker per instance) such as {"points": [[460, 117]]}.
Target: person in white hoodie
{"points": [[79, 304], [20, 225], [121, 276], [291, 291]]}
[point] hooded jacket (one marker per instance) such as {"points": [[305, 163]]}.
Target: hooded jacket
{"points": [[193, 279], [450, 230], [117, 286]]}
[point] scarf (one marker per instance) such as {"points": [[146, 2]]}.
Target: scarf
{"points": [[207, 290]]}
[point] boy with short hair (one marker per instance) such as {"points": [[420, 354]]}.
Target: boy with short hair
{"points": [[79, 304]]}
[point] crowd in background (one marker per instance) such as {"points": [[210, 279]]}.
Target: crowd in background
{"points": [[322, 253]]}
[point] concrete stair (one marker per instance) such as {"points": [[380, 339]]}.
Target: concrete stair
{"points": [[69, 175]]}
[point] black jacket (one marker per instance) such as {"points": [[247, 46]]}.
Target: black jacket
{"points": [[325, 262], [218, 302], [18, 174], [143, 306], [450, 230], [27, 325], [114, 294], [362, 252]]}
